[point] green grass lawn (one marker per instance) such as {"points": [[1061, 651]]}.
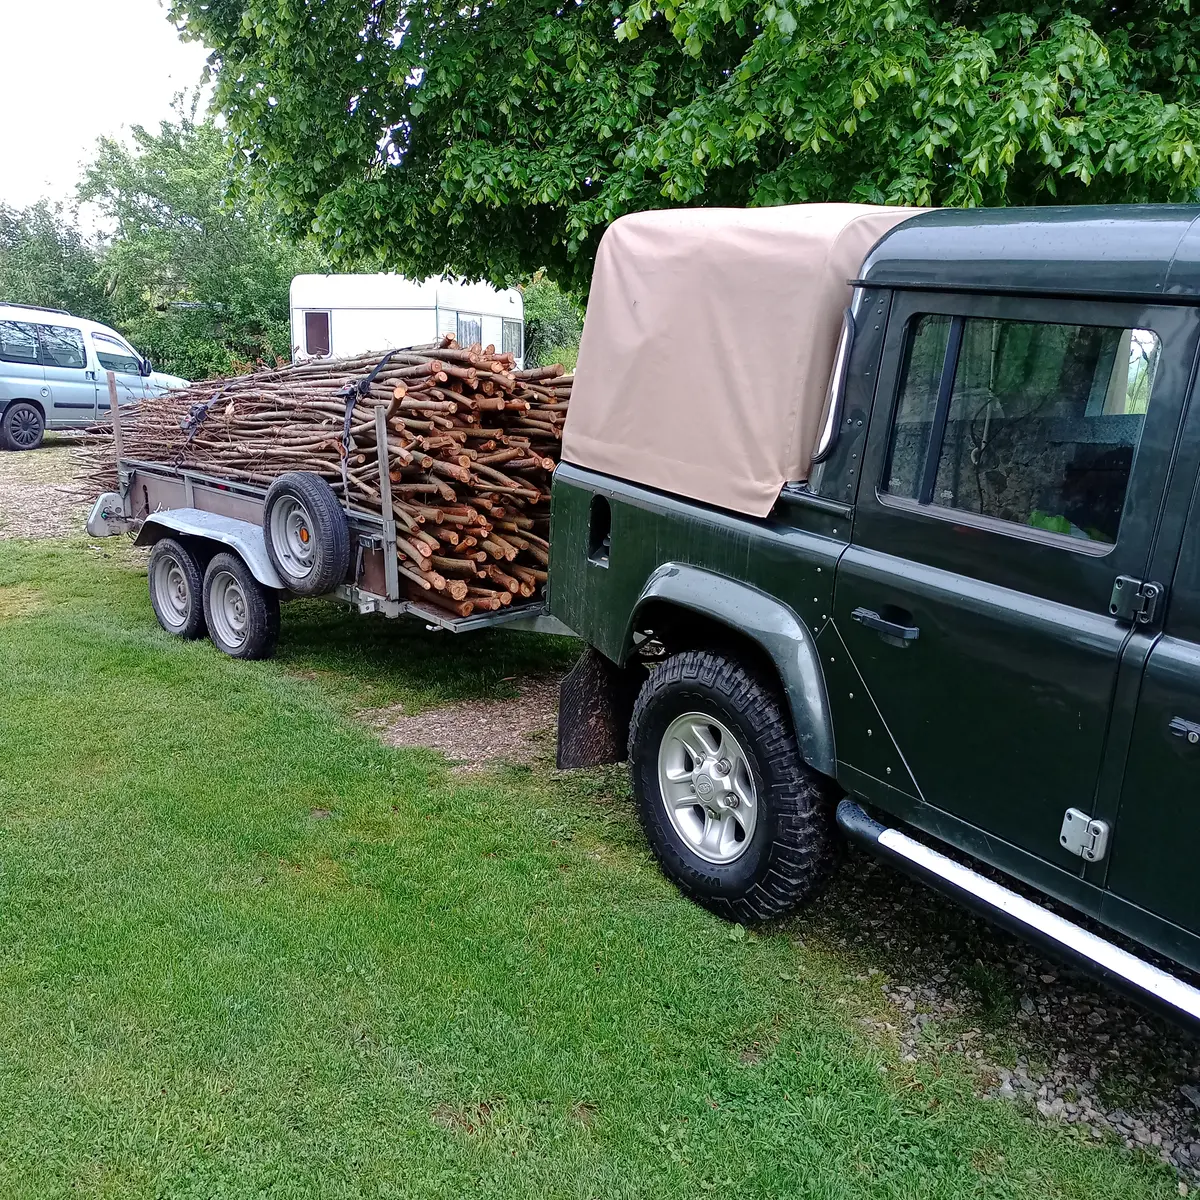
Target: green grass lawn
{"points": [[449, 986]]}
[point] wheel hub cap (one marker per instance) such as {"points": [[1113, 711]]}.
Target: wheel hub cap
{"points": [[707, 787]]}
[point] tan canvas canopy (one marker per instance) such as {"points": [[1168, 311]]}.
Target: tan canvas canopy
{"points": [[708, 345]]}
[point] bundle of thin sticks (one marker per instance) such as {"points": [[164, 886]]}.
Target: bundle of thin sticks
{"points": [[471, 443]]}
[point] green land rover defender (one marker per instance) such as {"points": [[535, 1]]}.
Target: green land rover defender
{"points": [[883, 524]]}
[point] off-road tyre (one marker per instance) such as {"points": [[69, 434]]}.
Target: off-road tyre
{"points": [[22, 426], [307, 534], [793, 848], [176, 582], [242, 616]]}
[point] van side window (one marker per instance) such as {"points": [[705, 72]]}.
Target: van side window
{"points": [[316, 333], [62, 346], [114, 355], [1020, 421], [18, 343]]}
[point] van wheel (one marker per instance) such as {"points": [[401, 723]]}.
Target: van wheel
{"points": [[242, 615], [307, 534], [22, 426], [735, 818], [176, 589]]}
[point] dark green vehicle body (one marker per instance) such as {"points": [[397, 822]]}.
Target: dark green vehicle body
{"points": [[1008, 678]]}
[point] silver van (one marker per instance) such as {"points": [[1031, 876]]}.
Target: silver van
{"points": [[53, 373]]}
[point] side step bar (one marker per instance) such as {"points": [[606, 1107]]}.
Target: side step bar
{"points": [[1062, 938]]}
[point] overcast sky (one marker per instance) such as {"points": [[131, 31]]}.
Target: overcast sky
{"points": [[73, 70]]}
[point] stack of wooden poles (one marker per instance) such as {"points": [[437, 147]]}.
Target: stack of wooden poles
{"points": [[471, 443]]}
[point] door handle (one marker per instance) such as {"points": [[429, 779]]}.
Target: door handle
{"points": [[1188, 730], [892, 629]]}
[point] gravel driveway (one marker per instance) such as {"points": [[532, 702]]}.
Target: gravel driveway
{"points": [[41, 494]]}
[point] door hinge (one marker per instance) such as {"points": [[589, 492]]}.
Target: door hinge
{"points": [[1134, 601], [1084, 835]]}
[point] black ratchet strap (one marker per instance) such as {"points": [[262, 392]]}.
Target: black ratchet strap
{"points": [[352, 392]]}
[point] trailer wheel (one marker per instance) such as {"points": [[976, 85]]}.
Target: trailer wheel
{"points": [[307, 535], [22, 426], [242, 615], [733, 815], [176, 589]]}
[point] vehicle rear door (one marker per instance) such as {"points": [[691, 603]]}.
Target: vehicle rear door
{"points": [[72, 385], [1010, 491], [114, 355], [1151, 868]]}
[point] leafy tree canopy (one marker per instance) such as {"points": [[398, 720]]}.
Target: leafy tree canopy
{"points": [[46, 260], [492, 140], [196, 281]]}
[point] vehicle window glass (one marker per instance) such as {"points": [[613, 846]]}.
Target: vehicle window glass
{"points": [[18, 343], [512, 338], [114, 355], [1020, 421], [316, 333], [470, 329], [62, 346]]}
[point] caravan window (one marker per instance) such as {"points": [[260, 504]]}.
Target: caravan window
{"points": [[316, 333], [470, 329], [512, 338]]}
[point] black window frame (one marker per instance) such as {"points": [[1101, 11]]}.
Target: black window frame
{"points": [[328, 315], [958, 315]]}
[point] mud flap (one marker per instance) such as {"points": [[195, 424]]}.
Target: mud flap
{"points": [[595, 703]]}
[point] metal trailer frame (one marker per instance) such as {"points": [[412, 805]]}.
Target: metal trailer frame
{"points": [[155, 500]]}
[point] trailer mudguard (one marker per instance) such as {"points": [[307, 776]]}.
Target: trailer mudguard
{"points": [[243, 537], [773, 626]]}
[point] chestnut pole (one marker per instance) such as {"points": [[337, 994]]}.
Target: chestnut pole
{"points": [[115, 406]]}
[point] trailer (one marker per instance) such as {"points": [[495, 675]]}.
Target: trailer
{"points": [[211, 570]]}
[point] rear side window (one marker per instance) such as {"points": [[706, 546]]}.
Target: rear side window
{"points": [[114, 355], [18, 343], [1026, 422], [316, 333], [62, 346]]}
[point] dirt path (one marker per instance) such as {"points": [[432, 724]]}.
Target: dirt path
{"points": [[476, 732], [41, 495]]}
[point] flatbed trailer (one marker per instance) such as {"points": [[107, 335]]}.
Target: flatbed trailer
{"points": [[209, 515]]}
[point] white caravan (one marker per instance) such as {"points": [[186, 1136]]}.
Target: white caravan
{"points": [[339, 315]]}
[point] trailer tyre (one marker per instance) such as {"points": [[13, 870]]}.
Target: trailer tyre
{"points": [[242, 616], [176, 589], [307, 535], [734, 816]]}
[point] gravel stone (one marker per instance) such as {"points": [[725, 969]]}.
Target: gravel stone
{"points": [[1081, 1053]]}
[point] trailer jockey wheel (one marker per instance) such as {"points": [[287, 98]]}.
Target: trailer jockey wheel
{"points": [[176, 589], [307, 535], [242, 615]]}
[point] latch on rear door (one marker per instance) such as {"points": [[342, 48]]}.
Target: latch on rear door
{"points": [[1084, 836]]}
